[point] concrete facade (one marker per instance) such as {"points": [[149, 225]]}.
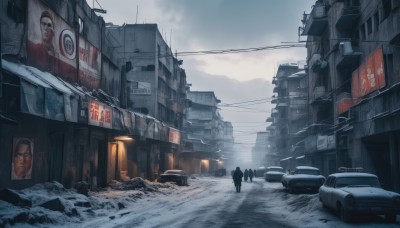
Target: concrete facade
{"points": [[206, 138], [352, 53], [74, 108]]}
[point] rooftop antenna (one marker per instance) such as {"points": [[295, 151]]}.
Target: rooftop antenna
{"points": [[98, 10], [137, 12], [170, 39]]}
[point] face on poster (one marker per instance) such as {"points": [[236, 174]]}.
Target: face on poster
{"points": [[22, 158], [52, 47]]}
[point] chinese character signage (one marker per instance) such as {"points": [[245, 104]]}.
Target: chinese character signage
{"points": [[174, 136], [140, 88], [100, 114], [370, 76]]}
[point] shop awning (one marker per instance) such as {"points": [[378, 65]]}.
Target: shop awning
{"points": [[60, 98], [7, 120]]}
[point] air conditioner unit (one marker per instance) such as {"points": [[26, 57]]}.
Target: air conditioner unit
{"points": [[345, 48], [314, 58]]}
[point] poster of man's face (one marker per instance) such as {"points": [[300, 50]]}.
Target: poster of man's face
{"points": [[22, 158]]}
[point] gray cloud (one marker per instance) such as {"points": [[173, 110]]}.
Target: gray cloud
{"points": [[236, 23]]}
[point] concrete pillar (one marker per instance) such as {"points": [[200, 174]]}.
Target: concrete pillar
{"points": [[394, 145]]}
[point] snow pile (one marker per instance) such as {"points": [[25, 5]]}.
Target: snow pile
{"points": [[134, 183], [48, 203], [304, 203], [51, 203]]}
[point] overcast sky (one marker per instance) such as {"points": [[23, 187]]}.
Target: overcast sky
{"points": [[200, 25]]}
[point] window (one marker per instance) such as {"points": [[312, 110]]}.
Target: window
{"points": [[369, 26], [362, 32], [81, 25], [386, 8], [376, 21], [16, 12], [148, 68]]}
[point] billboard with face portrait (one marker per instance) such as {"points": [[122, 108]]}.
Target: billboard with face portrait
{"points": [[52, 47], [22, 158]]}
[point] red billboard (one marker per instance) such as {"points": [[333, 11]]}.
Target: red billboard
{"points": [[100, 114], [370, 76], [51, 47]]}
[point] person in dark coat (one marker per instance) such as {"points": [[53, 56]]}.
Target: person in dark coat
{"points": [[251, 174], [255, 173], [237, 178], [246, 174]]}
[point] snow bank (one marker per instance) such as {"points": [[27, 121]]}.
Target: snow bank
{"points": [[56, 205]]}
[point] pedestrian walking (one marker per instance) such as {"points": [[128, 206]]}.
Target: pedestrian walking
{"points": [[246, 174], [237, 178], [251, 175], [255, 173]]}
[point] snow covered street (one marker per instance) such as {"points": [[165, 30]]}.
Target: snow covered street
{"points": [[205, 202]]}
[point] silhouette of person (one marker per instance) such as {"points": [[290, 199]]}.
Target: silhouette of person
{"points": [[251, 175], [246, 174], [237, 178]]}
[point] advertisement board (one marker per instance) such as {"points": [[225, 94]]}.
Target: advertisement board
{"points": [[174, 136], [100, 114], [51, 47], [22, 158], [370, 76]]}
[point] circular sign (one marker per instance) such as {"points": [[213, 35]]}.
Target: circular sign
{"points": [[67, 44]]}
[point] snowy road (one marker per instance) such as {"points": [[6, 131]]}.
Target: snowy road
{"points": [[213, 202]]}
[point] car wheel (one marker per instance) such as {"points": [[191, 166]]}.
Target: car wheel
{"points": [[291, 190], [391, 218], [344, 216], [323, 205]]}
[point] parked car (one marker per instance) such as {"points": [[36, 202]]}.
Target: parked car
{"points": [[274, 173], [260, 171], [220, 172], [358, 193], [174, 175], [303, 178]]}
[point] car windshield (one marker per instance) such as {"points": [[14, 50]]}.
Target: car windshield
{"points": [[173, 172], [276, 169], [357, 181], [307, 171]]}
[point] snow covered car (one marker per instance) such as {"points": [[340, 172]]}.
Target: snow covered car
{"points": [[303, 178], [174, 175], [260, 171], [358, 193], [220, 172], [274, 173]]}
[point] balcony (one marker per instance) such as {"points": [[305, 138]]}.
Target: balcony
{"points": [[275, 89], [282, 103], [316, 22], [348, 57], [274, 81], [320, 97], [274, 100], [270, 119], [274, 113], [348, 17]]}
